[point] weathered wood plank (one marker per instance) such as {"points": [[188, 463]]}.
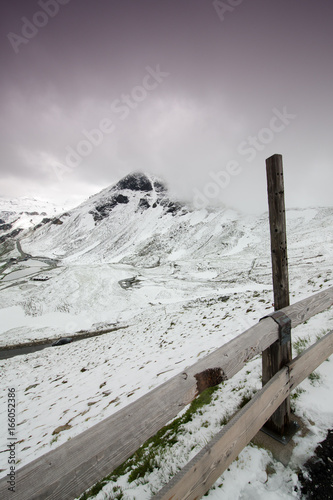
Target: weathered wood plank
{"points": [[67, 471], [277, 355], [70, 469], [278, 231], [195, 479], [205, 468], [307, 308], [309, 360]]}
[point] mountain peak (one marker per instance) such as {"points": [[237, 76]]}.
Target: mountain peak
{"points": [[138, 181], [139, 189]]}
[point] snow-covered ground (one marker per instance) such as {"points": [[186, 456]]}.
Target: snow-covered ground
{"points": [[24, 213], [182, 285]]}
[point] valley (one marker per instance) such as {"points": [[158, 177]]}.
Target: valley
{"points": [[171, 284]]}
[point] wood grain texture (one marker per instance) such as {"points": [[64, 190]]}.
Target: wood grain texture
{"points": [[195, 479], [309, 360], [205, 468], [278, 230], [277, 355], [67, 471], [305, 309]]}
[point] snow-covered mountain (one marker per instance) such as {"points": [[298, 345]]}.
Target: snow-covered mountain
{"points": [[132, 246], [179, 283], [137, 222], [19, 214], [110, 225]]}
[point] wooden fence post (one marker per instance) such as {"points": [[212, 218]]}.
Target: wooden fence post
{"points": [[277, 355]]}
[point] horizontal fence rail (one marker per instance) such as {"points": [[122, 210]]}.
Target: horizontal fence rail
{"points": [[73, 467]]}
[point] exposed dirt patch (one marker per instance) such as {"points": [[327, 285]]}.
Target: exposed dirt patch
{"points": [[317, 478], [65, 427]]}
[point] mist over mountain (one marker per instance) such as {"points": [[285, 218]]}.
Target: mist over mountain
{"points": [[154, 284], [136, 221], [133, 244]]}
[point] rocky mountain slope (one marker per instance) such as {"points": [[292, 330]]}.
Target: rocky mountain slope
{"points": [[179, 283], [132, 246], [19, 214]]}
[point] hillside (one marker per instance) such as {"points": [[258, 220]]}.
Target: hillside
{"points": [[179, 283], [19, 214], [131, 247]]}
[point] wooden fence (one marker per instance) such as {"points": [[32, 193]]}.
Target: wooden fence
{"points": [[195, 479], [73, 467]]}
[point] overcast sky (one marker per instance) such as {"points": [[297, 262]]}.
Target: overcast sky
{"points": [[197, 92]]}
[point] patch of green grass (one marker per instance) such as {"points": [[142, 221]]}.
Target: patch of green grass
{"points": [[93, 491], [147, 465], [245, 399], [144, 460], [322, 334], [294, 396], [204, 399], [314, 377], [117, 493], [296, 393], [238, 388], [224, 420], [300, 344], [148, 456]]}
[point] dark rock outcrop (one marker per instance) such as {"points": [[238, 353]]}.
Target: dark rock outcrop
{"points": [[57, 222], [13, 234], [144, 204], [134, 182], [5, 227], [102, 211]]}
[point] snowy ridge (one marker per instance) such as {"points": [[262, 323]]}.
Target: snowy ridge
{"points": [[132, 245], [183, 283], [19, 214]]}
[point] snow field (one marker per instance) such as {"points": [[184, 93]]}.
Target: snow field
{"points": [[200, 279]]}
